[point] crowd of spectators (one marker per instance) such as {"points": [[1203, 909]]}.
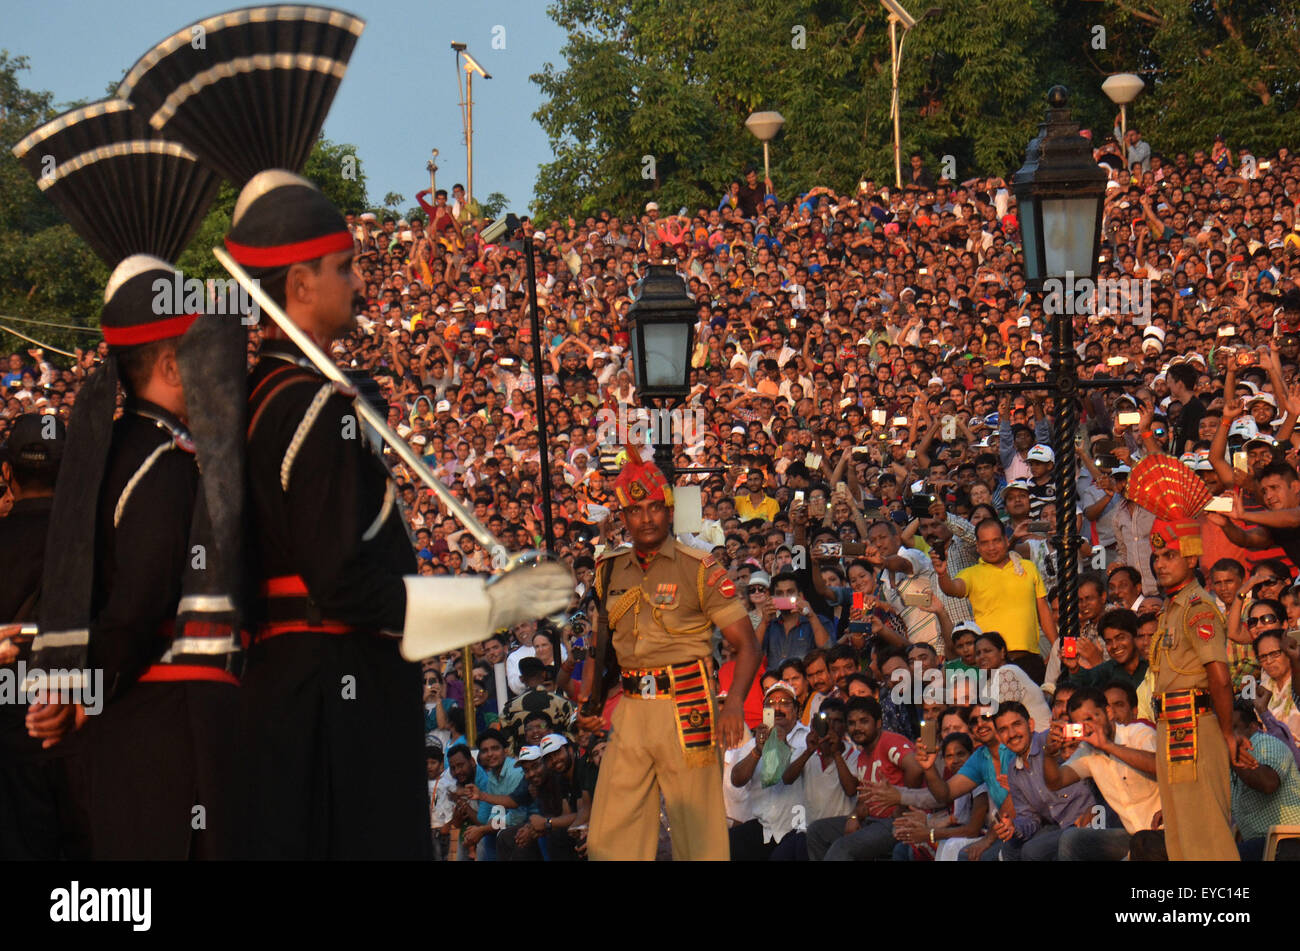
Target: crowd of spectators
{"points": [[884, 513]]}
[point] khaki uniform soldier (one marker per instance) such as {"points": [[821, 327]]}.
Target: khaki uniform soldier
{"points": [[661, 601], [1192, 697]]}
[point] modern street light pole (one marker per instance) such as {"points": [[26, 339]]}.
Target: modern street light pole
{"points": [[1123, 88], [765, 126]]}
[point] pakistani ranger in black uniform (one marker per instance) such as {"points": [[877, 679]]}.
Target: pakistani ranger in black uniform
{"points": [[41, 817], [160, 754], [333, 708]]}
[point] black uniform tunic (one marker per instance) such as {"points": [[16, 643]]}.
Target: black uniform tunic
{"points": [[161, 753], [333, 716], [42, 816]]}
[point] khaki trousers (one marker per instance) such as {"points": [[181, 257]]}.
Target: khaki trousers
{"points": [[644, 758], [1198, 824]]}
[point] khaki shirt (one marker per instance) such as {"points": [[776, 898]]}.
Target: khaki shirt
{"points": [[1190, 634], [666, 615]]}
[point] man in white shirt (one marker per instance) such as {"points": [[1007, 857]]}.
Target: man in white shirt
{"points": [[780, 814], [1121, 760], [821, 761]]}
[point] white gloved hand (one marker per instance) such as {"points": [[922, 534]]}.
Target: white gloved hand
{"points": [[526, 594], [444, 613]]}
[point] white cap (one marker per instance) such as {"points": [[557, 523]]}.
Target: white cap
{"points": [[552, 742], [1244, 427], [1040, 453], [652, 206], [442, 406], [529, 754], [779, 685]]}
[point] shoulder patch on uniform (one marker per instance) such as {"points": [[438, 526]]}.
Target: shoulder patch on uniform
{"points": [[716, 575], [709, 560], [1202, 622], [727, 588]]}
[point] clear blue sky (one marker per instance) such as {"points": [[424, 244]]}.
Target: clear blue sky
{"points": [[398, 100]]}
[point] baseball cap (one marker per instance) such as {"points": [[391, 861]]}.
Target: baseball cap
{"points": [[552, 742], [779, 685], [652, 206], [1120, 470], [529, 754], [963, 626], [1261, 439], [1040, 453], [37, 440], [760, 578], [1243, 428], [442, 406], [1018, 484], [1264, 398]]}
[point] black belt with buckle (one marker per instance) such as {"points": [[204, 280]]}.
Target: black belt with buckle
{"points": [[1204, 703]]}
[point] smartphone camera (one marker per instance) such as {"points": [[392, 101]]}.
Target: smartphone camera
{"points": [[1074, 731]]}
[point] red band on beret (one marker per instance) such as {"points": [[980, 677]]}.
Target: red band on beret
{"points": [[282, 254], [148, 333]]}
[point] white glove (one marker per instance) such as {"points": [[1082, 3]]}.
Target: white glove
{"points": [[444, 613], [526, 594]]}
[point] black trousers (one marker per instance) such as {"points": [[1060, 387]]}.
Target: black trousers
{"points": [[332, 728], [163, 780], [747, 845], [43, 808]]}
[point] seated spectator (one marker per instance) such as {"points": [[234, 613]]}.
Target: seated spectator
{"points": [[942, 834], [1031, 826], [1121, 759], [821, 759], [867, 832], [1267, 794], [777, 806]]}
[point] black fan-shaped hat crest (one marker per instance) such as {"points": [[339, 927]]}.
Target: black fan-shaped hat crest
{"points": [[124, 187], [249, 89]]}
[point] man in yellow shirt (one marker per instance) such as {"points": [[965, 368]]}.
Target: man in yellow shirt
{"points": [[754, 502], [1006, 595]]}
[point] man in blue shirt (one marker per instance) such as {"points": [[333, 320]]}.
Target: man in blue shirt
{"points": [[1040, 815], [499, 789], [793, 632]]}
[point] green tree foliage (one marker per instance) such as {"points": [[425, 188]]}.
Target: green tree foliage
{"points": [[48, 273], [494, 205], [653, 94]]}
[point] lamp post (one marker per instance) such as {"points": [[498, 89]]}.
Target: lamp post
{"points": [[1060, 192], [765, 126], [662, 331], [1123, 88], [467, 109], [543, 448]]}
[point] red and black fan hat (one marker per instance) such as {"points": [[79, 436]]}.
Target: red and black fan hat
{"points": [[282, 219], [249, 89]]}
